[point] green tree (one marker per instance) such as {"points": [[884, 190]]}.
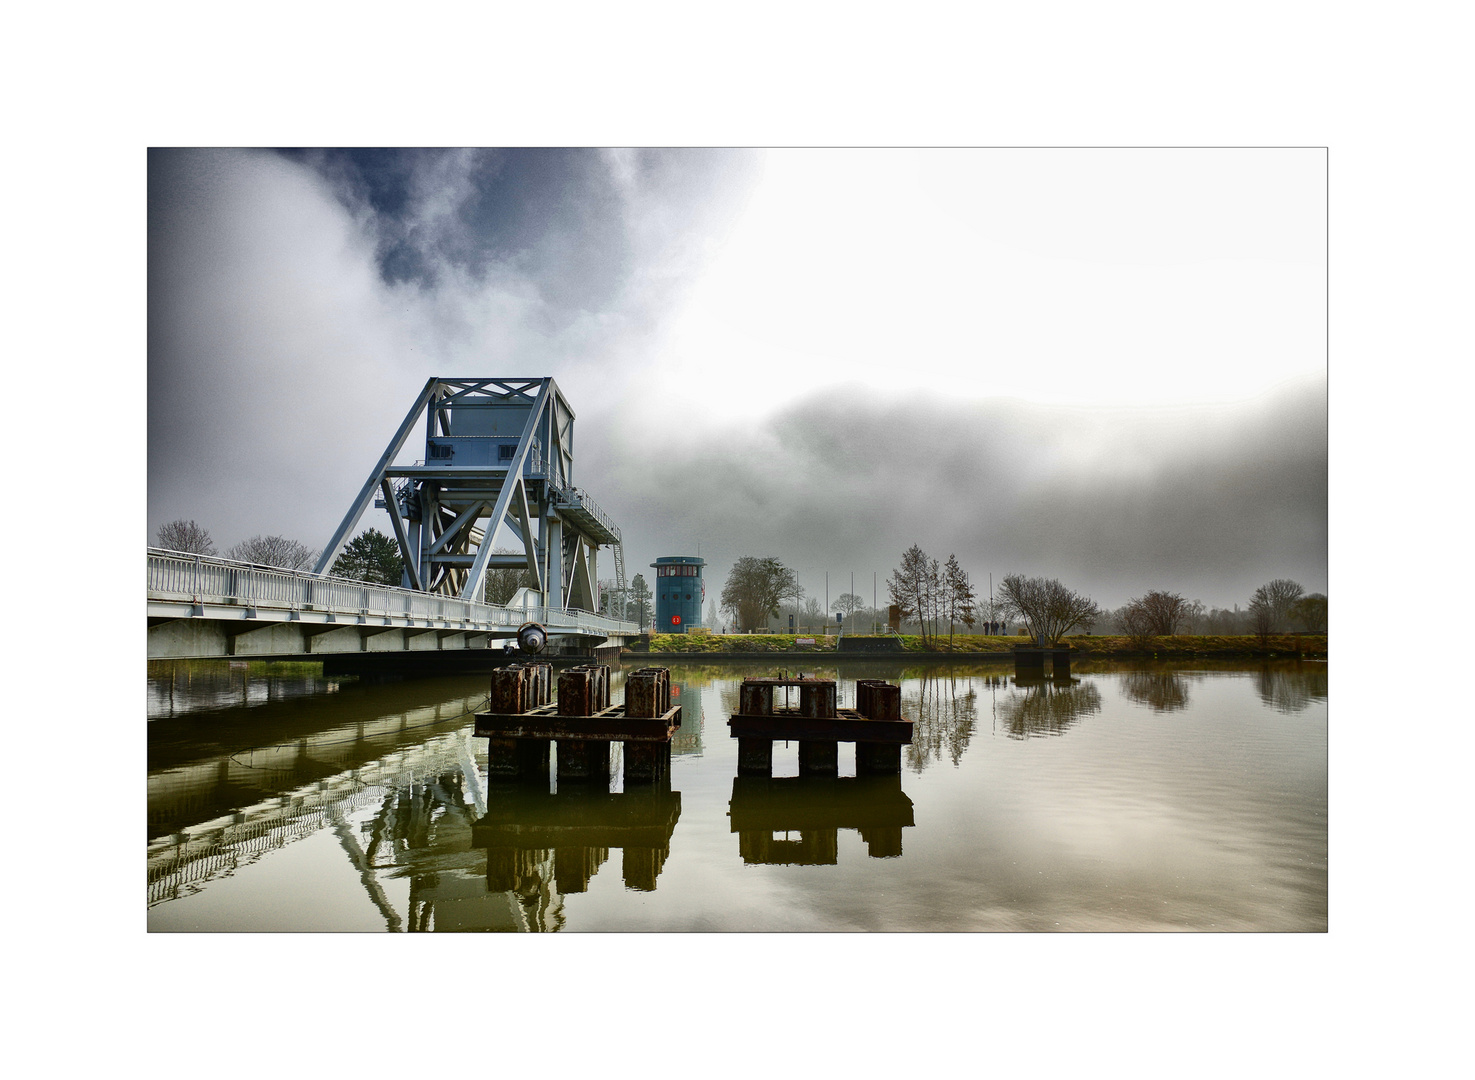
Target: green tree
{"points": [[754, 588], [370, 556]]}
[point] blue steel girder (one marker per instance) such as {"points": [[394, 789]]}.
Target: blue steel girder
{"points": [[526, 491]]}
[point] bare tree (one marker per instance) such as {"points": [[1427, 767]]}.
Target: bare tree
{"points": [[959, 596], [1156, 614], [609, 598], [794, 592], [814, 615], [186, 536], [637, 608], [1272, 603], [274, 551], [934, 595], [501, 582], [1309, 612], [1048, 608], [1133, 620], [1262, 620], [909, 586], [1222, 621]]}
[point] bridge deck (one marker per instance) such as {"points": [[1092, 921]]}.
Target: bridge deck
{"points": [[204, 606]]}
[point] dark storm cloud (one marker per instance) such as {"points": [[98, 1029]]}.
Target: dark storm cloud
{"points": [[552, 216], [298, 301], [1115, 502]]}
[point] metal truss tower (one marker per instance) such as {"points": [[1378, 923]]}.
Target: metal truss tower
{"points": [[498, 462]]}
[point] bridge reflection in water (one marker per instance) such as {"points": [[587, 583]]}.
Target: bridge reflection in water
{"points": [[401, 790], [474, 856]]}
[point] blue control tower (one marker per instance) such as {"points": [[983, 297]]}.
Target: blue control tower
{"points": [[680, 593]]}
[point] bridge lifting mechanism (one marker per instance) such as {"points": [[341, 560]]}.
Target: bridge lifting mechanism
{"points": [[496, 477]]}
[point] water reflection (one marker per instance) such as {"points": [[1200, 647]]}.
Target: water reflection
{"points": [[1036, 707], [809, 811], [1291, 691], [421, 802], [180, 687], [202, 766], [530, 835], [1161, 691], [393, 824], [419, 832], [688, 738], [943, 709]]}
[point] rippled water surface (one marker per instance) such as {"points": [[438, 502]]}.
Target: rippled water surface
{"points": [[1128, 798]]}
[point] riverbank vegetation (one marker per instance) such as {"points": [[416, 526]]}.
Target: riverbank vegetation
{"points": [[1083, 646]]}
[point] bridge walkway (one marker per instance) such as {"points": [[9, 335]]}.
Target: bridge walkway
{"points": [[202, 606]]}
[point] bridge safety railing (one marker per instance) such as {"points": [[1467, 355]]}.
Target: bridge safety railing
{"points": [[207, 579], [576, 497]]}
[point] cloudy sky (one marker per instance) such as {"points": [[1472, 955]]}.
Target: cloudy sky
{"points": [[1106, 366]]}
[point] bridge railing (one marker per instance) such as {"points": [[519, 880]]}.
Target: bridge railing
{"points": [[207, 579]]}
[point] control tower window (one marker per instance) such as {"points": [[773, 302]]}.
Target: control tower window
{"points": [[505, 452], [440, 450]]}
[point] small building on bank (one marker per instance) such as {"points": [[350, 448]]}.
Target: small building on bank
{"points": [[680, 592]]}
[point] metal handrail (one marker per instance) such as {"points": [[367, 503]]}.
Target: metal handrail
{"points": [[575, 497], [209, 579]]}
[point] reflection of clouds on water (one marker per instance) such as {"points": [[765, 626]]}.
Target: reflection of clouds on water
{"points": [[1045, 708], [1161, 691], [944, 711], [1291, 691]]}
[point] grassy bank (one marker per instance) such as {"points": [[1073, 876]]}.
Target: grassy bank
{"points": [[1166, 648]]}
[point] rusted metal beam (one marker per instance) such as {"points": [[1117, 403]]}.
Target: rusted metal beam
{"points": [[610, 724], [848, 726]]}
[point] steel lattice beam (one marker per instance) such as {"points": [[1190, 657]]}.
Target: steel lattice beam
{"points": [[498, 459]]}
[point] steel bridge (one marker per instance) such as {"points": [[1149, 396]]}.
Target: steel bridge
{"points": [[498, 463]]}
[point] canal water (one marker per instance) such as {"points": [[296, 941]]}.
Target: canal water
{"points": [[1127, 798]]}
